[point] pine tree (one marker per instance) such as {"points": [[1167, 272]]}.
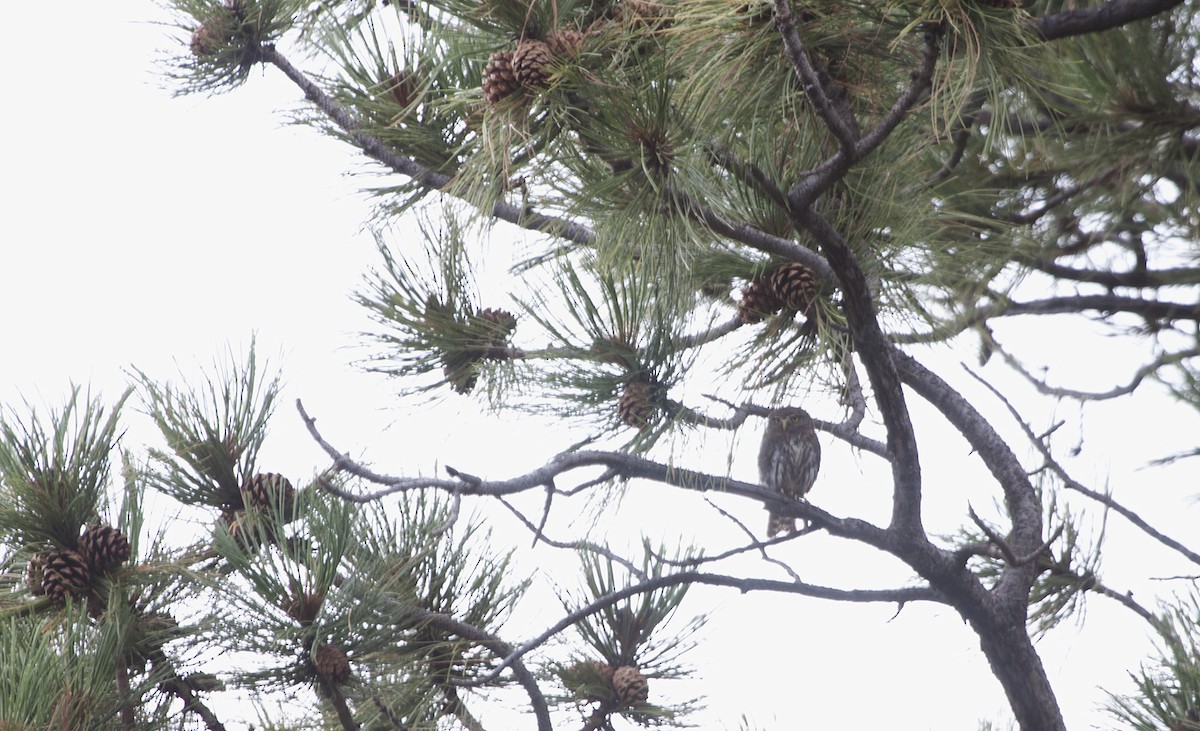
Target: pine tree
{"points": [[768, 202]]}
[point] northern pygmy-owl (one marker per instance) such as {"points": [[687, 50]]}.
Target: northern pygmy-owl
{"points": [[788, 460]]}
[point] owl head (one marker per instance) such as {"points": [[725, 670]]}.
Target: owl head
{"points": [[790, 419]]}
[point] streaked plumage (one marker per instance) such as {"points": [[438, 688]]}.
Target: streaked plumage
{"points": [[788, 460]]}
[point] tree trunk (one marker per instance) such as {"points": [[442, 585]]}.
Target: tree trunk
{"points": [[1017, 666]]}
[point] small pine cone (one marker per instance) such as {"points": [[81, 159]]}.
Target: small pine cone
{"points": [[531, 64], [65, 572], [206, 40], [268, 491], [630, 685], [758, 301], [459, 371], [565, 42], [499, 79], [103, 547], [331, 663], [605, 670], [500, 323], [636, 405], [794, 286], [35, 573], [402, 88], [305, 607]]}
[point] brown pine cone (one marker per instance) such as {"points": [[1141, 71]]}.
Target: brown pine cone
{"points": [[403, 88], [66, 572], [759, 300], [268, 492], [636, 405], [794, 286], [35, 572], [531, 62], [331, 663], [565, 42], [499, 79], [206, 40], [103, 547], [630, 685]]}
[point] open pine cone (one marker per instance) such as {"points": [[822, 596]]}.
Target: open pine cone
{"points": [[65, 572], [103, 547], [499, 78]]}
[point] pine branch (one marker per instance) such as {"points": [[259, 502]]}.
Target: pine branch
{"points": [[844, 131], [502, 650], [1112, 14], [430, 179]]}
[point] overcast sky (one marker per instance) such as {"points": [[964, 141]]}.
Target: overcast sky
{"points": [[140, 229]]}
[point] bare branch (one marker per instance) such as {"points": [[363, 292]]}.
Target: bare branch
{"points": [[1073, 484], [618, 464], [1112, 14], [904, 595], [1166, 359]]}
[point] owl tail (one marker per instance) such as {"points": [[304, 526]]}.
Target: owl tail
{"points": [[777, 524]]}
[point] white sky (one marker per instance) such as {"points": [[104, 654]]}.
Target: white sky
{"points": [[141, 229]]}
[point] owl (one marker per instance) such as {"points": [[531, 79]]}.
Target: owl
{"points": [[788, 460]]}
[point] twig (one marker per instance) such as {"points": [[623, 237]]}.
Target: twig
{"points": [[755, 543], [995, 538], [541, 537], [1166, 359]]}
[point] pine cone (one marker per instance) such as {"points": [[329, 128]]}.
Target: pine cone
{"points": [[459, 371], [331, 663], [531, 64], [499, 79], [641, 11], [630, 685], [65, 572], [268, 492], [35, 572], [605, 670], [103, 547], [794, 286], [403, 88], [206, 40], [565, 42], [498, 325], [759, 300], [304, 607], [636, 405]]}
